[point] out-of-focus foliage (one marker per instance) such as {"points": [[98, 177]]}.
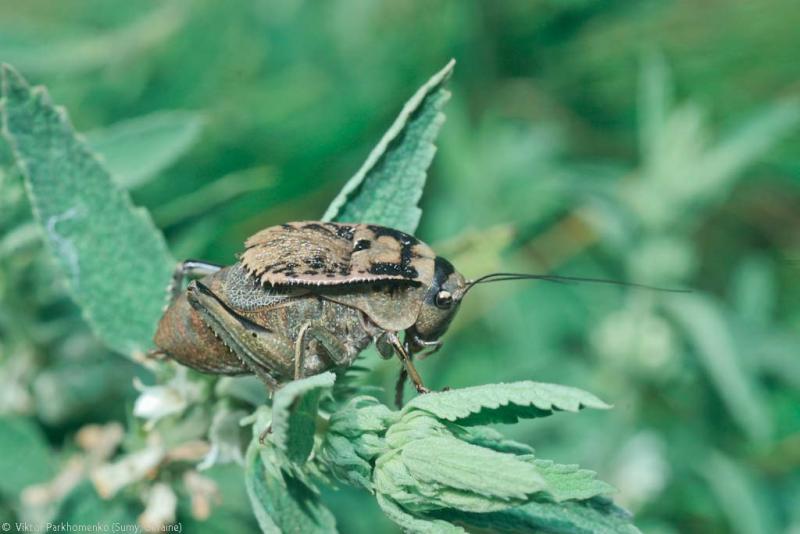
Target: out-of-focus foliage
{"points": [[650, 141]]}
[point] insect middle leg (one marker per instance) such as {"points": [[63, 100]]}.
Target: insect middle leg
{"points": [[335, 349]]}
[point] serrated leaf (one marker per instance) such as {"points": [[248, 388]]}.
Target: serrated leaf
{"points": [[136, 150], [410, 523], [488, 437], [595, 516], [388, 186], [282, 503], [340, 457], [495, 403], [25, 458], [445, 463], [294, 415], [361, 414], [116, 262], [570, 482]]}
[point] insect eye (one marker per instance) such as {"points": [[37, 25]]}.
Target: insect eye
{"points": [[443, 300]]}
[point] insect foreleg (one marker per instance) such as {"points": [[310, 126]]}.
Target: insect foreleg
{"points": [[403, 376], [405, 357], [189, 269]]}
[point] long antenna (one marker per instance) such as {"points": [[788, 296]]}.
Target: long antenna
{"points": [[504, 277]]}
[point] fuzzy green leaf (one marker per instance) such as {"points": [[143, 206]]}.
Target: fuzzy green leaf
{"points": [[25, 458], [503, 403], [488, 437], [451, 464], [388, 186], [116, 262], [410, 523], [342, 459], [136, 150], [361, 414], [570, 482], [282, 503], [294, 415], [595, 516]]}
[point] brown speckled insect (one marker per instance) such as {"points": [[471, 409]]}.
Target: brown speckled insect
{"points": [[306, 297]]}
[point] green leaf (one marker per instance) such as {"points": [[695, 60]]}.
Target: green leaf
{"points": [[410, 523], [219, 192], [709, 332], [488, 437], [720, 166], [282, 503], [570, 482], [360, 415], [388, 186], [83, 506], [43, 51], [342, 460], [655, 100], [449, 464], [78, 390], [136, 150], [754, 291], [116, 262], [294, 415], [595, 516], [25, 458], [746, 505], [503, 402]]}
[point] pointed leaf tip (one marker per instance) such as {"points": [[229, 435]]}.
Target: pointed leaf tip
{"points": [[12, 81], [387, 188]]}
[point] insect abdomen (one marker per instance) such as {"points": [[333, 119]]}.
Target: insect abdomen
{"points": [[184, 336]]}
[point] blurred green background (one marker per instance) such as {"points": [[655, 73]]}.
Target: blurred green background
{"points": [[650, 141]]}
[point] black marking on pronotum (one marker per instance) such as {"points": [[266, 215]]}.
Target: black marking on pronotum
{"points": [[404, 267], [318, 227], [442, 269], [316, 262], [344, 231]]}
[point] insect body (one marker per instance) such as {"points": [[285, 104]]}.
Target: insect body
{"points": [[310, 296], [306, 297]]}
